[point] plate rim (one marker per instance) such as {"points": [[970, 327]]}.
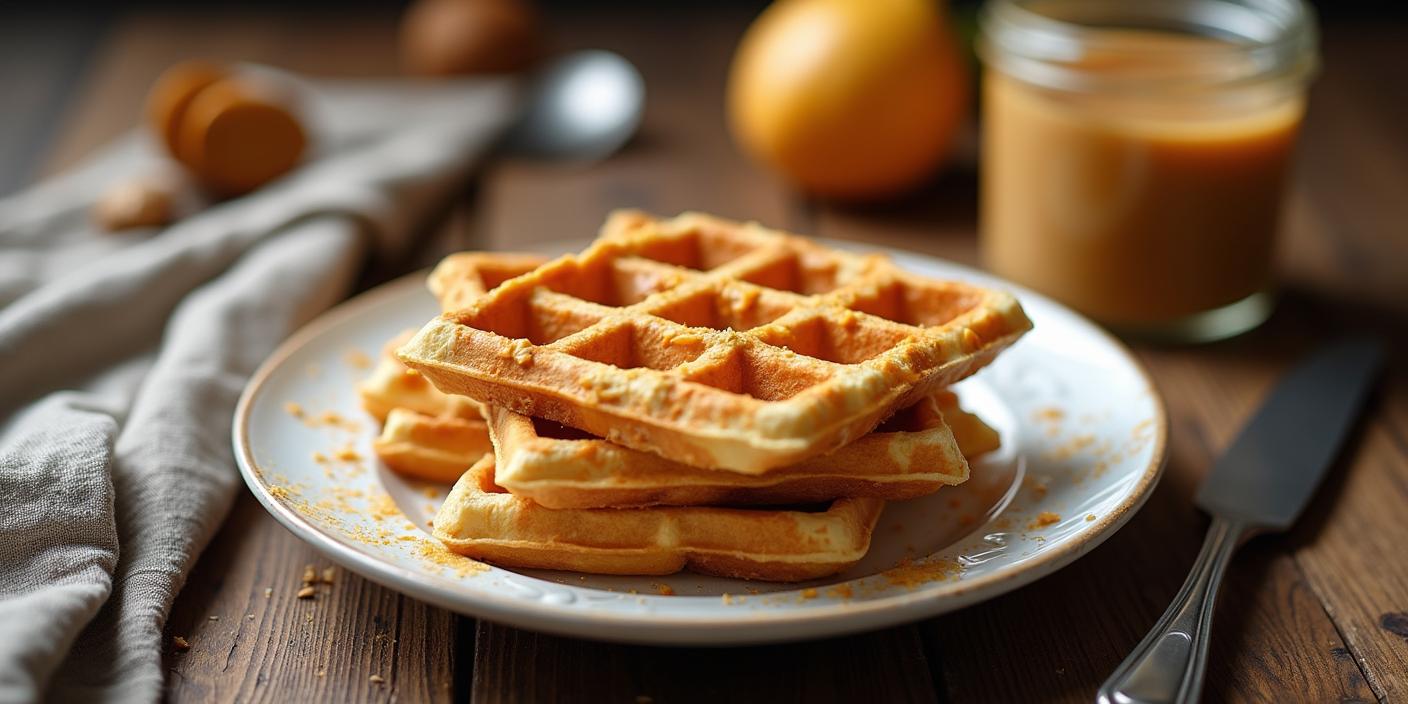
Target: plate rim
{"points": [[748, 626]]}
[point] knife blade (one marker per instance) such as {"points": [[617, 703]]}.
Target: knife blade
{"points": [[1261, 483], [1271, 470]]}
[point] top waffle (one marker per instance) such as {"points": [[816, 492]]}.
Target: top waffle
{"points": [[714, 343]]}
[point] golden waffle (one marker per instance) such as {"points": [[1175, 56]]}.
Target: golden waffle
{"points": [[713, 343], [391, 385], [460, 278], [431, 447], [426, 433], [480, 520], [433, 436], [911, 455], [564, 468]]}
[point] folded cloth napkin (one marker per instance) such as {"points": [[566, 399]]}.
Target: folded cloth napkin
{"points": [[122, 356]]}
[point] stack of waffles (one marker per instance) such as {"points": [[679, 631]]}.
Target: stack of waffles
{"points": [[689, 392]]}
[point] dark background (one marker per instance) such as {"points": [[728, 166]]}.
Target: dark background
{"points": [[45, 49]]}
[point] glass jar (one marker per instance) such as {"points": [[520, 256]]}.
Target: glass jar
{"points": [[1135, 154]]}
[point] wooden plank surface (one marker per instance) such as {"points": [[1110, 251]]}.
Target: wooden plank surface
{"points": [[1319, 615]]}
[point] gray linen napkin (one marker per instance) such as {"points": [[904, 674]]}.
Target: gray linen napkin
{"points": [[122, 356]]}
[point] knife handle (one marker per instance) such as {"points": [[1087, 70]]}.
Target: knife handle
{"points": [[1168, 665]]}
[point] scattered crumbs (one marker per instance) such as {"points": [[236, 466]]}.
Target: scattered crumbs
{"points": [[306, 593], [436, 554], [310, 575], [520, 351], [213, 618], [911, 574], [357, 359], [329, 573], [1100, 468], [409, 526], [376, 679], [1050, 414], [347, 454], [320, 458], [1141, 429], [840, 591], [181, 644], [752, 590], [268, 592], [1089, 517], [664, 589], [382, 507], [1071, 447], [249, 616], [321, 673], [1036, 486], [727, 599], [294, 409], [430, 492], [1043, 519], [809, 593], [632, 591], [308, 617], [278, 492]]}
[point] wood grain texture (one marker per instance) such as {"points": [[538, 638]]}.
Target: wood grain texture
{"points": [[1353, 274], [1319, 615], [682, 158], [519, 666], [246, 646]]}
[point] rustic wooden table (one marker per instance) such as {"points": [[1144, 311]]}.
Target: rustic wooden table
{"points": [[1320, 614]]}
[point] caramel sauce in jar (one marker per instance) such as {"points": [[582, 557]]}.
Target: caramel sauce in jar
{"points": [[1137, 174]]}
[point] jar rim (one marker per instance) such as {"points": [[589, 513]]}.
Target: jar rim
{"points": [[1263, 40]]}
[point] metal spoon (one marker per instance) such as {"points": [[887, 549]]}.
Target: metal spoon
{"points": [[583, 107]]}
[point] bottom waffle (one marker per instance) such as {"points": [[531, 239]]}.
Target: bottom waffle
{"points": [[481, 520]]}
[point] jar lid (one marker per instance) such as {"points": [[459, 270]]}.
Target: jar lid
{"points": [[1051, 42]]}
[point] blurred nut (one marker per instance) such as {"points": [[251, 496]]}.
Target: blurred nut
{"points": [[133, 204], [236, 140], [171, 95], [456, 37], [228, 130]]}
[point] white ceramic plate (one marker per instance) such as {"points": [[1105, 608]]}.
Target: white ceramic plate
{"points": [[1083, 434]]}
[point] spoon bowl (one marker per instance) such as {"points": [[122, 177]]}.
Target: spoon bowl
{"points": [[582, 107]]}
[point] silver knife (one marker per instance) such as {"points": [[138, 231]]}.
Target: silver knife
{"points": [[1259, 485]]}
